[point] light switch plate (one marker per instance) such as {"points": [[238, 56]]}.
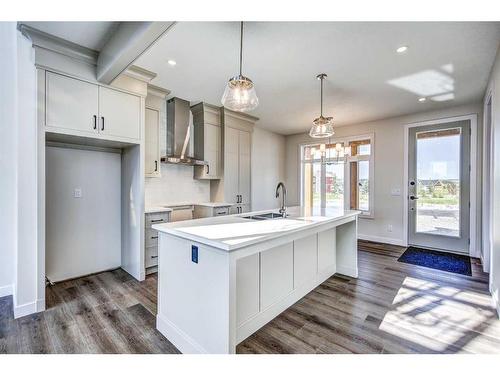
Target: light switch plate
{"points": [[77, 193]]}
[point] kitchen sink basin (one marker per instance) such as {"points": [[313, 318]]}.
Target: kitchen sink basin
{"points": [[268, 216]]}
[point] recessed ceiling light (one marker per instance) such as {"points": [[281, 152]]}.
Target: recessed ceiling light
{"points": [[172, 62], [402, 49], [421, 100]]}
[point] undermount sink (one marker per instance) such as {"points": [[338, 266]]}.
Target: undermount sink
{"points": [[268, 216]]}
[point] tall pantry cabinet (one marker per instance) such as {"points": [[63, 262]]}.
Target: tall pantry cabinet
{"points": [[235, 187]]}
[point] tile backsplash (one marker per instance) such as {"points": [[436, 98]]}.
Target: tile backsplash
{"points": [[176, 185]]}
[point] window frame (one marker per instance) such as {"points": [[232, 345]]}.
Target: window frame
{"points": [[370, 214]]}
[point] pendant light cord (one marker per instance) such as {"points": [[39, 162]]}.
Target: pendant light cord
{"points": [[241, 45], [321, 96]]}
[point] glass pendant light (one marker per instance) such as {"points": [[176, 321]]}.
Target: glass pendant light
{"points": [[322, 126], [240, 94]]}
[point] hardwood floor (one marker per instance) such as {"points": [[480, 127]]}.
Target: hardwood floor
{"points": [[391, 308]]}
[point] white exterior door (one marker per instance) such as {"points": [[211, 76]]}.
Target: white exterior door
{"points": [[438, 186], [71, 104]]}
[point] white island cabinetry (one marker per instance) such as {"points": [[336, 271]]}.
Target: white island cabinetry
{"points": [[221, 279]]}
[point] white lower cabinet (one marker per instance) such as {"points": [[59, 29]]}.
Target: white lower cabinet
{"points": [[247, 286], [276, 274], [327, 251], [267, 278], [305, 256], [151, 239]]}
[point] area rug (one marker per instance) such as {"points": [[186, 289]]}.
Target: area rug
{"points": [[438, 260]]}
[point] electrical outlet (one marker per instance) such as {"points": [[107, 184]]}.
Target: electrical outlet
{"points": [[389, 228], [77, 193]]}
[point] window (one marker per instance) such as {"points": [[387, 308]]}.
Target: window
{"points": [[339, 174]]}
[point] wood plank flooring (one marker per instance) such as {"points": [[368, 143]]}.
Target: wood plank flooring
{"points": [[391, 308]]}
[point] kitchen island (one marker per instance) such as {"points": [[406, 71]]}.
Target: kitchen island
{"points": [[220, 279]]}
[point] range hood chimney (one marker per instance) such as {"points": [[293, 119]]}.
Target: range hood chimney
{"points": [[179, 121]]}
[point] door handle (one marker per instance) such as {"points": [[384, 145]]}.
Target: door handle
{"points": [[102, 125], [95, 122], [412, 197]]}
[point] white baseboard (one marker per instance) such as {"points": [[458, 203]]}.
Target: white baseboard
{"points": [[494, 297], [26, 309], [181, 341], [387, 240], [6, 290]]}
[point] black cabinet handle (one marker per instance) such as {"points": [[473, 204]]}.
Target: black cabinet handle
{"points": [[156, 165], [208, 169], [154, 237], [154, 256], [95, 122], [157, 221], [102, 119]]}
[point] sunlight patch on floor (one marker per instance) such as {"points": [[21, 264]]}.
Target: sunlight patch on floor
{"points": [[440, 317]]}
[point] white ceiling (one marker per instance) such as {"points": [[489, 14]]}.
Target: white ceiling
{"points": [[92, 35], [449, 62]]}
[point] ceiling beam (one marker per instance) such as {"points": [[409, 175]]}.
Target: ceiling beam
{"points": [[129, 41]]}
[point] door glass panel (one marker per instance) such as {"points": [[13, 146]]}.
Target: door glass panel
{"points": [[363, 185], [438, 182], [335, 185]]}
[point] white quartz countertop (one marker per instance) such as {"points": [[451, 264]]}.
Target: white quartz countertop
{"points": [[153, 209], [235, 231], [167, 207]]}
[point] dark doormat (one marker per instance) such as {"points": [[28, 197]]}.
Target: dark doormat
{"points": [[438, 260]]}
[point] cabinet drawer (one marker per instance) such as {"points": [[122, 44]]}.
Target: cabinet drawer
{"points": [[218, 211], [157, 218], [151, 256], [151, 237]]}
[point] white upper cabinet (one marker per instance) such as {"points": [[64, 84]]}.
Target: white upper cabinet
{"points": [[80, 108], [207, 141], [71, 104], [152, 143], [120, 113]]}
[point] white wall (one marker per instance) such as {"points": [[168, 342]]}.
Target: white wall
{"points": [[494, 86], [389, 168], [83, 235], [268, 168], [28, 298], [8, 155]]}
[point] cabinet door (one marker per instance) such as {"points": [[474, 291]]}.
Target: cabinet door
{"points": [[120, 114], [231, 165], [212, 149], [244, 166], [152, 144], [71, 103]]}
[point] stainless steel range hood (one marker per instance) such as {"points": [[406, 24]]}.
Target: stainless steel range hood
{"points": [[179, 124]]}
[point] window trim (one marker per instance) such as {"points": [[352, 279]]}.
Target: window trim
{"points": [[370, 214]]}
